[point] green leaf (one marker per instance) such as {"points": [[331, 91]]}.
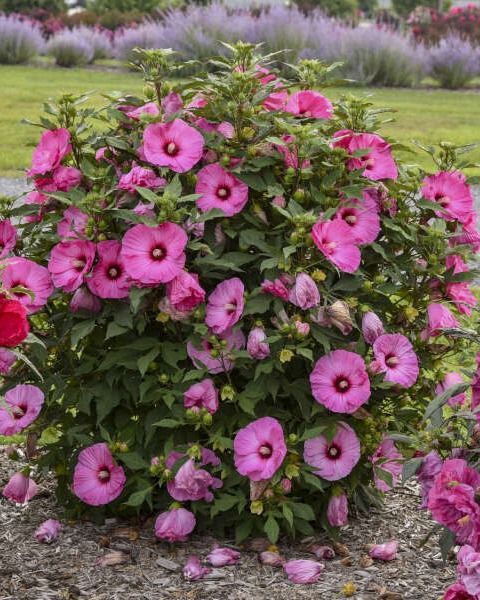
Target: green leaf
{"points": [[447, 541], [50, 435], [133, 461], [168, 423], [303, 511], [113, 330], [145, 361], [437, 403], [272, 529], [258, 304], [243, 530], [410, 467], [306, 352], [288, 514], [313, 481], [81, 330], [223, 503], [138, 498]]}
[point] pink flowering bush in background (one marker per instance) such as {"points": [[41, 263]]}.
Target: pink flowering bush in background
{"points": [[243, 304]]}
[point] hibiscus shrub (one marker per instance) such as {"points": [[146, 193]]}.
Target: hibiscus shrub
{"points": [[244, 300]]}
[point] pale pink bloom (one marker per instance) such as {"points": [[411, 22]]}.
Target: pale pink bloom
{"points": [[469, 569], [195, 228], [194, 570], [66, 178], [304, 292], [140, 177], [276, 288], [20, 489], [221, 557], [323, 552], [257, 345], [335, 242], [372, 327], [279, 201], [48, 531], [171, 104], [290, 153], [175, 525], [340, 381], [8, 237], [277, 100], [386, 551], [450, 190], [303, 571], [24, 403], [175, 145], [192, 483], [97, 478], [225, 305], [387, 458], [460, 291], [450, 380], [70, 262], [203, 394], [429, 469], [220, 189], [73, 224], [145, 209], [259, 449], [457, 591], [21, 272], [362, 218], [154, 255], [309, 104], [286, 485], [203, 359], [151, 108], [54, 145], [83, 300], [337, 510], [395, 356], [439, 318], [7, 360], [377, 162], [271, 559], [109, 277], [303, 329], [184, 292], [333, 459]]}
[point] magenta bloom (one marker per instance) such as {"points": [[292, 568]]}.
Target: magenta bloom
{"points": [[439, 318], [460, 291], [335, 242], [449, 381], [221, 557], [469, 569], [140, 177], [203, 359], [54, 145], [303, 571], [48, 531], [184, 292], [203, 394], [24, 403], [225, 305], [450, 190], [259, 449], [333, 459], [194, 570], [83, 300], [276, 288], [386, 551], [220, 189], [340, 381], [8, 238], [97, 478], [175, 525], [257, 346], [21, 272], [70, 262], [109, 276], [377, 162], [20, 489], [191, 483], [429, 469], [66, 178], [150, 108], [337, 510], [372, 327], [154, 255], [387, 458], [7, 360], [395, 356], [73, 224], [457, 591], [175, 145], [309, 104], [362, 218], [304, 292]]}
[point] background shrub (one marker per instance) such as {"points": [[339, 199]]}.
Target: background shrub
{"points": [[405, 7], [99, 39], [453, 62], [26, 6], [70, 49], [345, 9], [20, 40]]}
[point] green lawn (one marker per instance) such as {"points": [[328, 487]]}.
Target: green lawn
{"points": [[427, 115]]}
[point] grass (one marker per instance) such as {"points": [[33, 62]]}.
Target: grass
{"points": [[428, 115]]}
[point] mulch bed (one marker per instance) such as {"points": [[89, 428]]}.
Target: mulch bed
{"points": [[67, 568]]}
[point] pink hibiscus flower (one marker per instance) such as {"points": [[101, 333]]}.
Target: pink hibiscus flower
{"points": [[175, 145], [457, 591], [73, 224], [469, 569], [450, 380], [335, 242], [460, 292], [82, 299], [450, 190], [309, 104], [220, 189], [175, 525], [372, 327], [377, 162], [439, 318], [97, 479], [20, 489], [203, 394], [154, 255], [257, 345], [8, 238], [140, 177], [54, 145], [395, 356], [333, 459], [340, 381], [192, 484], [70, 262], [7, 360], [24, 403], [290, 153], [337, 510], [65, 179], [304, 292], [135, 112], [184, 293], [387, 458], [225, 305], [276, 288], [222, 361], [362, 218], [24, 273], [259, 449], [429, 469], [109, 277]]}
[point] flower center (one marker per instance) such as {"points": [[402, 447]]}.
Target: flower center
{"points": [[330, 246], [223, 192], [391, 361], [231, 307], [79, 263], [334, 451], [307, 114], [18, 411], [265, 450], [342, 385], [350, 219], [369, 163], [442, 200], [113, 272], [171, 148], [104, 474], [158, 253]]}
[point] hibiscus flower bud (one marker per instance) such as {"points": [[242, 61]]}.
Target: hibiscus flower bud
{"points": [[386, 551], [257, 346], [372, 327], [48, 531], [220, 557], [286, 485], [303, 571], [337, 511]]}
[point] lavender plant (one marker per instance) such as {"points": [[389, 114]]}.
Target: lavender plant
{"points": [[20, 40], [454, 62], [70, 49]]}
